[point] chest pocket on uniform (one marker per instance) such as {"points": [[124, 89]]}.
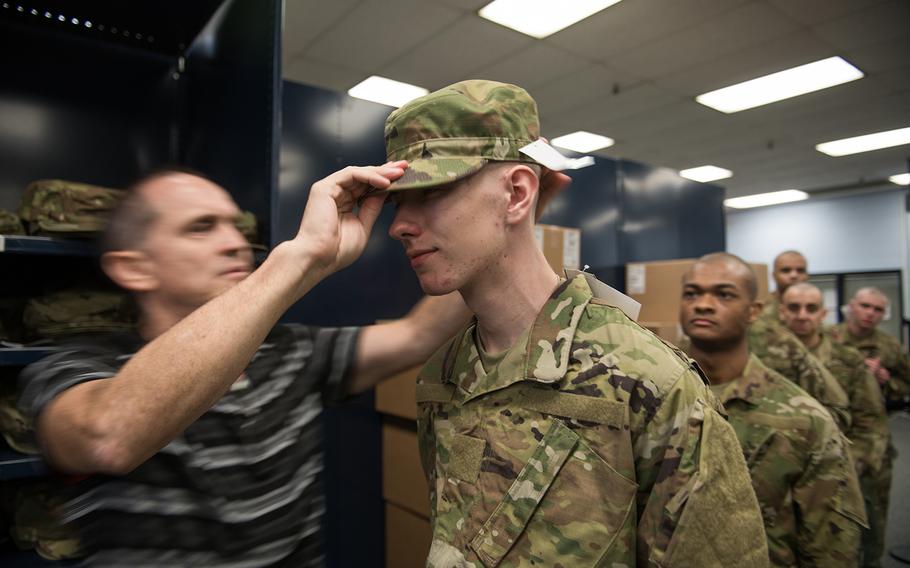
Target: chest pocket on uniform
{"points": [[566, 506]]}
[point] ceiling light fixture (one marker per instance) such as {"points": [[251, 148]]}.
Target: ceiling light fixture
{"points": [[540, 18], [763, 199], [865, 143], [781, 85], [900, 179], [582, 142], [386, 91], [705, 174]]}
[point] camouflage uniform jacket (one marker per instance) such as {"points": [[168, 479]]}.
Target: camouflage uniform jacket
{"points": [[869, 431], [802, 475], [590, 443], [782, 352], [770, 313], [888, 350]]}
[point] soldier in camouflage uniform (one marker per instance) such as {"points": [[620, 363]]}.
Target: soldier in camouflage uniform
{"points": [[782, 352], [886, 357], [889, 363], [790, 267], [554, 430], [801, 470]]}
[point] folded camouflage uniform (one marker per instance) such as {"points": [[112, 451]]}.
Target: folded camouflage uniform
{"points": [[36, 522], [65, 207], [77, 311], [10, 223]]}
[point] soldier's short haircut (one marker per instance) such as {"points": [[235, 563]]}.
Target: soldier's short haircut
{"points": [[875, 292], [129, 221], [804, 286], [790, 252], [749, 278]]}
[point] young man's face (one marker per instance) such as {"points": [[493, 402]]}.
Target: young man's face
{"points": [[451, 233], [195, 249], [867, 310], [803, 312], [789, 269], [716, 309]]}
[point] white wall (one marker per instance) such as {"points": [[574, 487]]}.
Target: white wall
{"points": [[838, 234]]}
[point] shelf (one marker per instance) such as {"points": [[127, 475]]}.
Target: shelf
{"points": [[17, 244], [14, 465], [21, 356]]}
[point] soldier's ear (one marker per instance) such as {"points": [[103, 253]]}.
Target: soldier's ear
{"points": [[755, 311], [523, 195], [130, 269]]}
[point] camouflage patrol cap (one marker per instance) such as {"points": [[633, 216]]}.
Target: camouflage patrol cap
{"points": [[451, 133]]}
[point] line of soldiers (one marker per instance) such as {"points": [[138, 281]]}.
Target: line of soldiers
{"points": [[776, 369]]}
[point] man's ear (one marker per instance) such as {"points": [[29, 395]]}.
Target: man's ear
{"points": [[755, 311], [523, 195], [130, 269]]}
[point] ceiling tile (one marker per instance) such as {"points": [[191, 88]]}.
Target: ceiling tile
{"points": [[305, 20], [463, 5], [599, 112], [749, 25], [882, 56], [355, 42], [574, 89], [784, 52], [888, 20], [538, 64], [810, 12], [635, 23], [456, 53]]}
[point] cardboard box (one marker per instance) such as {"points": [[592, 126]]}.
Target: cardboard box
{"points": [[403, 481], [561, 246], [397, 396], [407, 538], [658, 286]]}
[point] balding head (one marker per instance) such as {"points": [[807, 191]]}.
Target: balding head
{"points": [[735, 265], [802, 310], [718, 302], [790, 267], [866, 310]]}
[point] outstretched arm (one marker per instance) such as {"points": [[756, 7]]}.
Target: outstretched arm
{"points": [[113, 425]]}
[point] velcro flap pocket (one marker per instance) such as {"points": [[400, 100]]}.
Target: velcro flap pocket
{"points": [[434, 392], [465, 457], [574, 406], [499, 533]]}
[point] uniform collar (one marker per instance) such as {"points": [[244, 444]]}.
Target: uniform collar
{"points": [[540, 355], [822, 351], [749, 387]]}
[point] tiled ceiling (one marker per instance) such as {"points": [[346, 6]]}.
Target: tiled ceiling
{"points": [[632, 71]]}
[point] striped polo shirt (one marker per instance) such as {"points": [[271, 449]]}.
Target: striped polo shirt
{"points": [[241, 487]]}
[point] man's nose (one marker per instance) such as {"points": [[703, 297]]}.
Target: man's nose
{"points": [[404, 224], [232, 240]]}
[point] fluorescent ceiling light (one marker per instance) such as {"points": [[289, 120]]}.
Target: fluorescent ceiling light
{"points": [[865, 143], [781, 85], [540, 18], [386, 91], [705, 173], [900, 179], [582, 142], [762, 199]]}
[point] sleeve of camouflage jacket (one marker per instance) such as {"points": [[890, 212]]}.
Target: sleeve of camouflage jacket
{"points": [[694, 485], [869, 432], [830, 504], [899, 384], [815, 379]]}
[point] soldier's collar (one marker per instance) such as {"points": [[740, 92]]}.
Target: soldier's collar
{"points": [[748, 387]]}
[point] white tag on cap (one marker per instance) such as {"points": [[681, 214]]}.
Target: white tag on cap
{"points": [[549, 157]]}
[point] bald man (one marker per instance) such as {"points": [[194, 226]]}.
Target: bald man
{"points": [[798, 460], [790, 267], [802, 311]]}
